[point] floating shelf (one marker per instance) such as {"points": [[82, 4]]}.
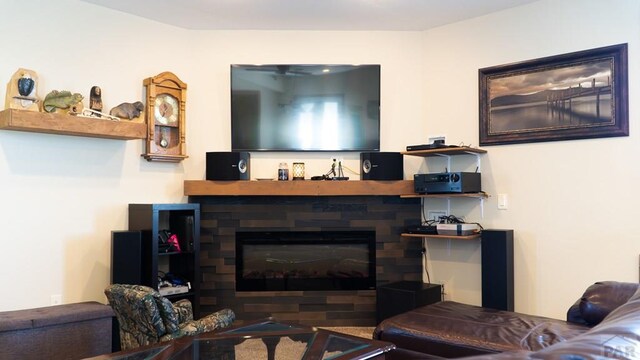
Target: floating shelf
{"points": [[481, 195], [298, 188], [434, 236], [458, 150], [51, 123]]}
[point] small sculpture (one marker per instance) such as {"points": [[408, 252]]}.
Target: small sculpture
{"points": [[62, 100], [127, 110], [21, 91], [25, 85], [95, 100]]}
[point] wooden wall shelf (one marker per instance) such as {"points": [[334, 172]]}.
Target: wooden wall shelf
{"points": [[51, 123], [297, 188], [480, 195], [458, 150], [435, 236]]}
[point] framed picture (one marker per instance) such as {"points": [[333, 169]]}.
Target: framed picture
{"points": [[572, 96]]}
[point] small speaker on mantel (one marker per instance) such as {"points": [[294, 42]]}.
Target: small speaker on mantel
{"points": [[381, 166], [228, 165]]}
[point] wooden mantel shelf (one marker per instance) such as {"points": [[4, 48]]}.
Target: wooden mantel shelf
{"points": [[50, 123], [298, 188]]}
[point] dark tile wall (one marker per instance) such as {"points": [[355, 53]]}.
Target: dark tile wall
{"points": [[397, 258]]}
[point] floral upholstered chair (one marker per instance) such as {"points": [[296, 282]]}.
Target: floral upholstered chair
{"points": [[146, 317]]}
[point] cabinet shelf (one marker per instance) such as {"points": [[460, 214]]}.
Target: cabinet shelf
{"points": [[60, 124], [458, 150], [175, 253], [181, 295], [435, 236]]}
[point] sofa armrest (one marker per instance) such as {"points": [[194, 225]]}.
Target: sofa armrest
{"points": [[184, 310], [217, 320], [574, 315], [599, 300]]}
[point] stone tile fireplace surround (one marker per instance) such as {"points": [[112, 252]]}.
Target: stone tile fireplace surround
{"points": [[397, 258]]}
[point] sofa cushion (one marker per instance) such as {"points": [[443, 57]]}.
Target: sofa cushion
{"points": [[453, 329], [168, 315]]}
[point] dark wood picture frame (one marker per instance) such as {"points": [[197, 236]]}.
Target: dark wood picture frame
{"points": [[578, 95]]}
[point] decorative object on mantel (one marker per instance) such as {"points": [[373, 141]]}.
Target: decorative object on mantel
{"points": [[298, 171], [128, 110], [165, 116], [63, 102], [21, 91], [95, 100]]}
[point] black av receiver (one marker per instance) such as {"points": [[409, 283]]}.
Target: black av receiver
{"points": [[449, 182]]}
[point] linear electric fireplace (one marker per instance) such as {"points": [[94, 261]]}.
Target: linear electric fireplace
{"points": [[305, 260]]}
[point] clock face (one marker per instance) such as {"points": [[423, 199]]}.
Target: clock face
{"points": [[166, 109]]}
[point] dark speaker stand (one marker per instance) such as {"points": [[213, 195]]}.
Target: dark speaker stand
{"points": [[497, 269]]}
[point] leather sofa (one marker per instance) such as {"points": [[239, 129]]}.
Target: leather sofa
{"points": [[604, 322]]}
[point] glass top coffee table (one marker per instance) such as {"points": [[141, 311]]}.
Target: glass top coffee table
{"points": [[267, 339]]}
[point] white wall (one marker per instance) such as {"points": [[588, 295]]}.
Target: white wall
{"points": [[572, 204], [63, 195]]}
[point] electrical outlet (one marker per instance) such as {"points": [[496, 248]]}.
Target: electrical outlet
{"points": [[435, 214], [444, 289], [56, 299]]}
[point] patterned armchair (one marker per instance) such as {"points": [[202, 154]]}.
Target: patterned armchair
{"points": [[146, 317]]}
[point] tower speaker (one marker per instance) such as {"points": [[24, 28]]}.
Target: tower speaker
{"points": [[126, 257], [228, 165], [381, 166], [497, 269]]}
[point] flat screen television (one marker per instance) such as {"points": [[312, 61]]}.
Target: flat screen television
{"points": [[305, 107]]}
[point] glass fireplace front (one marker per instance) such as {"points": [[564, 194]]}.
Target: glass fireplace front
{"points": [[300, 261]]}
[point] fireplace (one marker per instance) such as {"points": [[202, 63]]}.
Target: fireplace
{"points": [[305, 260]]}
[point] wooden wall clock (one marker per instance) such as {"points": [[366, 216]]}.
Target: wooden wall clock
{"points": [[165, 116]]}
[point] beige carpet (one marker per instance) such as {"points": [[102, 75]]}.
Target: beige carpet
{"points": [[360, 331], [255, 349]]}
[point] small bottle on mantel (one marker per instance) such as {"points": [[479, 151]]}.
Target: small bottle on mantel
{"points": [[283, 171]]}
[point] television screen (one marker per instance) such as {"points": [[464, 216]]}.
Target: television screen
{"points": [[305, 107]]}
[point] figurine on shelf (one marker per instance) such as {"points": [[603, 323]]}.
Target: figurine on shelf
{"points": [[63, 101], [95, 100], [127, 110], [21, 91], [96, 114]]}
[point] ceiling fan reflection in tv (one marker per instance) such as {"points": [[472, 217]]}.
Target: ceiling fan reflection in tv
{"points": [[301, 107]]}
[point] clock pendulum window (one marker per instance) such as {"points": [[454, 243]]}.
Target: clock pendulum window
{"points": [[165, 116]]}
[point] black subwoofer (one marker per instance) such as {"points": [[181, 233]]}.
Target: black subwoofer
{"points": [[381, 166], [399, 297], [227, 165]]}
